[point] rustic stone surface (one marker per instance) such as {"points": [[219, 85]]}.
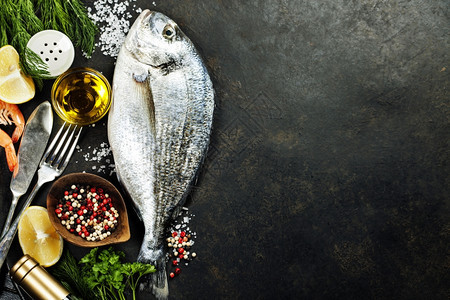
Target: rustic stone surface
{"points": [[327, 175]]}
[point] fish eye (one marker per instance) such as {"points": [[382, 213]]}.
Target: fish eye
{"points": [[168, 32]]}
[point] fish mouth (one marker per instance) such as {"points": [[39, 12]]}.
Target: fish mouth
{"points": [[146, 13]]}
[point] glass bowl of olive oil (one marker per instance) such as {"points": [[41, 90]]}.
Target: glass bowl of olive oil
{"points": [[81, 96]]}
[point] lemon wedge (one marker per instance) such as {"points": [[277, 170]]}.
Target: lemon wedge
{"points": [[38, 238], [15, 86]]}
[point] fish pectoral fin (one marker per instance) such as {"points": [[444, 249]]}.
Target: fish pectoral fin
{"points": [[140, 74], [143, 91], [140, 77]]}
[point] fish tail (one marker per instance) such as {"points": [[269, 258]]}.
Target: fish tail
{"points": [[156, 282], [160, 287]]}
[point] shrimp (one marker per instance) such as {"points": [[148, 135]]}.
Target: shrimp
{"points": [[6, 142], [9, 114]]}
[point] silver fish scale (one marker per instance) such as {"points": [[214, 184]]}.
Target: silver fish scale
{"points": [[183, 150], [158, 128]]}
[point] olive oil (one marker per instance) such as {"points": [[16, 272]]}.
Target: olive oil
{"points": [[81, 96]]}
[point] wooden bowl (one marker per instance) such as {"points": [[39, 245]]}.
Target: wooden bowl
{"points": [[122, 231]]}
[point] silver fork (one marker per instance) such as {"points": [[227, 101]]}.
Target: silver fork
{"points": [[51, 166]]}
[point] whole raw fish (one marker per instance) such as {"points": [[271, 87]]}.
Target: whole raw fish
{"points": [[159, 126]]}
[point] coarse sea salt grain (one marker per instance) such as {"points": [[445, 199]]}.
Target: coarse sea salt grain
{"points": [[113, 20], [99, 157]]}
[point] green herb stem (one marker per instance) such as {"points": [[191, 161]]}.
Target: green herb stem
{"points": [[54, 16], [84, 30], [26, 11]]}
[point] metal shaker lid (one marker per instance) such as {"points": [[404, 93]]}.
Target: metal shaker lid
{"points": [[55, 49]]}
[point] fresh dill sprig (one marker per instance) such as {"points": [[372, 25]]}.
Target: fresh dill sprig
{"points": [[9, 21], [68, 272], [69, 17], [33, 65], [54, 16], [84, 30], [3, 29], [3, 36], [30, 63], [27, 14]]}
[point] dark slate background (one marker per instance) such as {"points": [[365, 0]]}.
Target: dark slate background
{"points": [[327, 175]]}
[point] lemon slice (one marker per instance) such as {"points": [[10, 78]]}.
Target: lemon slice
{"points": [[38, 238], [15, 87]]}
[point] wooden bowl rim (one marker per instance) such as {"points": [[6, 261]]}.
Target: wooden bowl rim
{"points": [[120, 235]]}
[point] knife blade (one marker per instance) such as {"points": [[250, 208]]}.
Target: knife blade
{"points": [[32, 146]]}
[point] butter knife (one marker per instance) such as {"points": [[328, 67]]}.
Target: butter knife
{"points": [[32, 146]]}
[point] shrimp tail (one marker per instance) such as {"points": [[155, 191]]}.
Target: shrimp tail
{"points": [[18, 120], [11, 157], [17, 133], [6, 142]]}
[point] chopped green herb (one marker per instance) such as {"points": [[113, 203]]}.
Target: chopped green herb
{"points": [[101, 274]]}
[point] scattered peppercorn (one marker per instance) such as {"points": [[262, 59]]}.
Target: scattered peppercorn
{"points": [[87, 212], [180, 250]]}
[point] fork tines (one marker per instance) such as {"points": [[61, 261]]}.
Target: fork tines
{"points": [[68, 139]]}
